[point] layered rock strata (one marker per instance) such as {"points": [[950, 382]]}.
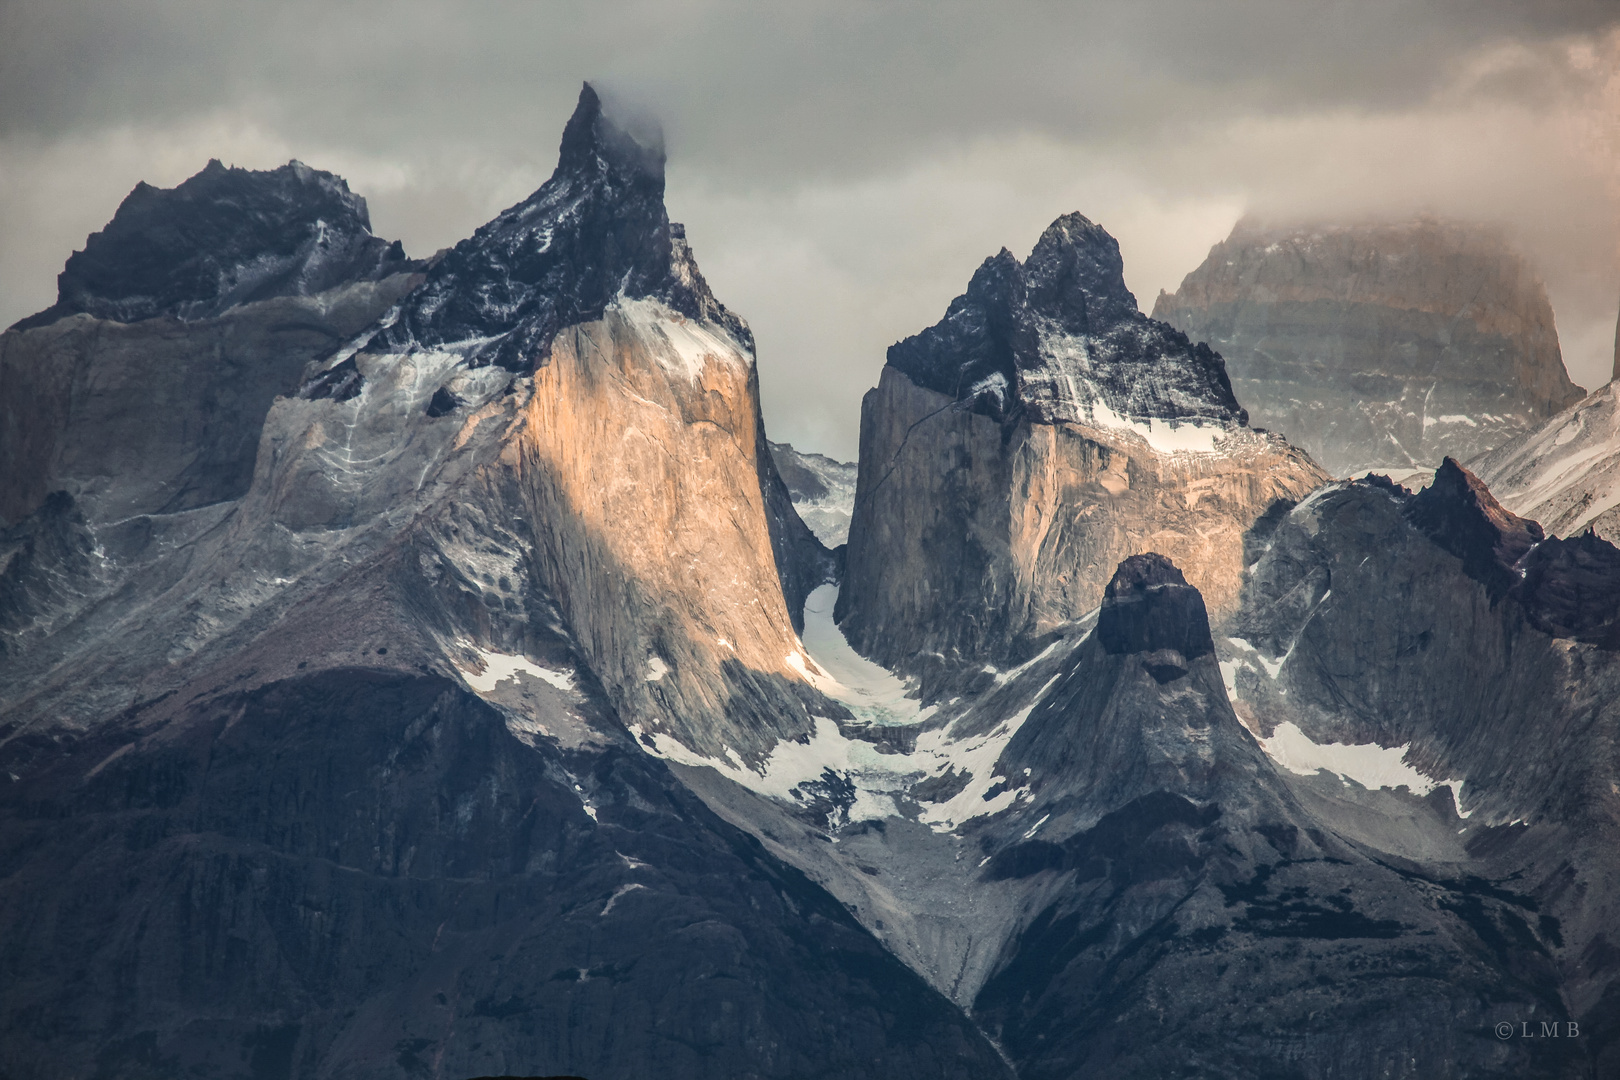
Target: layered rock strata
{"points": [[1044, 430], [1378, 346]]}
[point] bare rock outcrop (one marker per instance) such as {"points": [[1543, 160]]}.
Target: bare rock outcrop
{"points": [[1045, 430], [142, 390], [1378, 346]]}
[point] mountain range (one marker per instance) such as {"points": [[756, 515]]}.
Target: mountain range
{"points": [[429, 668]]}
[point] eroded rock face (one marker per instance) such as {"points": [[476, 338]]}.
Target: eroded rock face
{"points": [[162, 415], [1012, 455], [1378, 346], [1199, 895], [1366, 621], [640, 452], [298, 723]]}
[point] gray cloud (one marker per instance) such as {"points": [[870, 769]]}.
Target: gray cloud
{"points": [[842, 166]]}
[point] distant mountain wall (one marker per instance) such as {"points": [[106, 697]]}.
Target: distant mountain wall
{"points": [[1380, 346]]}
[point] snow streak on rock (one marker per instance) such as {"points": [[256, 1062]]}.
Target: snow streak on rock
{"points": [[879, 780]]}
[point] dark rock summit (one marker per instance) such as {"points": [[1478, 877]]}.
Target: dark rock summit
{"points": [[595, 231], [1149, 606], [1059, 335], [1458, 513], [225, 237], [145, 387], [1016, 451]]}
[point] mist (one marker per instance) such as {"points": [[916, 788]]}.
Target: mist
{"points": [[842, 167]]}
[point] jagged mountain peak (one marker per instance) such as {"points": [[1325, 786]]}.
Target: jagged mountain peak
{"points": [[1059, 337], [223, 237], [1458, 512], [1077, 273], [592, 142], [595, 231]]}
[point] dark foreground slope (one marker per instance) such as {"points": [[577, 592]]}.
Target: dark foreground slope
{"points": [[365, 872]]}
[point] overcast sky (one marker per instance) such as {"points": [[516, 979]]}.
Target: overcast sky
{"points": [[843, 166]]}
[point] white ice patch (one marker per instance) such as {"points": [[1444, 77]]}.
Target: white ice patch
{"points": [[1181, 437], [656, 669], [1368, 764], [1452, 418], [870, 691], [681, 345], [878, 696], [498, 667]]}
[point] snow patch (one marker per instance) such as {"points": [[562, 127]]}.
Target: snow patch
{"points": [[656, 669], [682, 346], [828, 662], [1368, 764], [620, 891], [499, 667], [881, 780], [1167, 437]]}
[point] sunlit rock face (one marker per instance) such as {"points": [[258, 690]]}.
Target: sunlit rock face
{"points": [[363, 731], [1014, 454], [1378, 346]]}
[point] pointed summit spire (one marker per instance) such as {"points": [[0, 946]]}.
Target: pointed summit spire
{"points": [[595, 231], [593, 140]]}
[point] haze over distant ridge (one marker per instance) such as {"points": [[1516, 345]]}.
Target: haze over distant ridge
{"points": [[844, 169]]}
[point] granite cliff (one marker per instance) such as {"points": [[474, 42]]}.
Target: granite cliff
{"points": [[1016, 452], [356, 740], [1378, 346]]}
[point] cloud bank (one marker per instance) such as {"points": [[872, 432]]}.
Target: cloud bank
{"points": [[843, 166]]}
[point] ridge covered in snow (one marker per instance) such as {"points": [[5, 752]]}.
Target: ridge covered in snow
{"points": [[1566, 473]]}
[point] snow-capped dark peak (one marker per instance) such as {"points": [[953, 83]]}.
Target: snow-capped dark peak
{"points": [[226, 236], [1059, 337], [595, 231]]}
